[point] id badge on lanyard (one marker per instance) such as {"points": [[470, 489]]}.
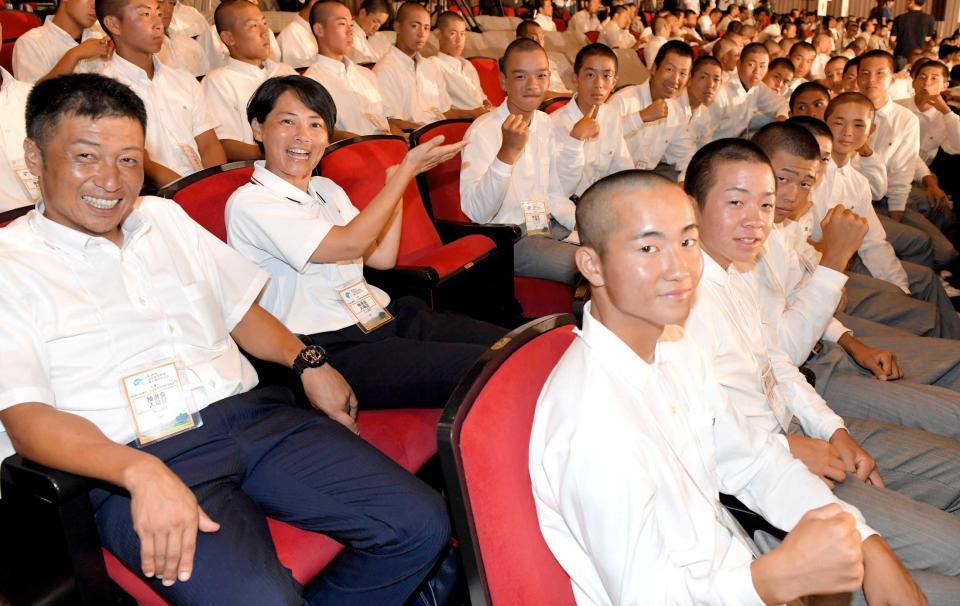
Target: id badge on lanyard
{"points": [[30, 182], [158, 403], [536, 218], [769, 382], [363, 305], [192, 157]]}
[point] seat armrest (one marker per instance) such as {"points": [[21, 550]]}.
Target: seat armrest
{"points": [[51, 485], [504, 235]]}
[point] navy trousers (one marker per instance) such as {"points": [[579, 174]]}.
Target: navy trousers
{"points": [[416, 360], [258, 454]]}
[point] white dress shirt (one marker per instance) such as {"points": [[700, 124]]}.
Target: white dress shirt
{"points": [[228, 90], [355, 92], [38, 50], [183, 52], [546, 23], [461, 79], [583, 22], [491, 191], [650, 50], [627, 459], [298, 45], [412, 89], [798, 295], [278, 227], [79, 313], [616, 37], [897, 143], [736, 111], [217, 52], [707, 26], [936, 130], [557, 84], [901, 87], [188, 21], [368, 49], [845, 185], [177, 110], [701, 123], [818, 67], [666, 140], [581, 163], [726, 323], [14, 192]]}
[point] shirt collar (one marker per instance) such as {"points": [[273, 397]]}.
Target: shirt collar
{"points": [[408, 62], [332, 65], [713, 272], [133, 72], [76, 243], [885, 110], [247, 69], [276, 184], [450, 60], [358, 31]]}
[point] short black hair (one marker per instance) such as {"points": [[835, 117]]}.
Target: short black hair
{"points": [[524, 27], [851, 64], [704, 61], [84, 95], [702, 170], [802, 45], [922, 65], [754, 48], [108, 8], [851, 97], [781, 62], [446, 17], [595, 221], [673, 47], [734, 27], [616, 10], [220, 14], [789, 137], [816, 127], [843, 58], [371, 7], [595, 49], [408, 7], [879, 54], [520, 45], [807, 87], [310, 92]]}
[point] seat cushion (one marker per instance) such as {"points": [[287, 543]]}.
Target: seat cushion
{"points": [[406, 435], [451, 257], [539, 297]]}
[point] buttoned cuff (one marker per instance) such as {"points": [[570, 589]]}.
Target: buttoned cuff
{"points": [[835, 330], [736, 585], [501, 168], [830, 278], [632, 122], [898, 205]]}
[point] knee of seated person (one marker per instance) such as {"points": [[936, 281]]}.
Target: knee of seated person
{"points": [[419, 521]]}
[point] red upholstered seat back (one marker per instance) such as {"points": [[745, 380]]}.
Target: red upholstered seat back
{"points": [[14, 24], [489, 72], [359, 167], [556, 104], [206, 198], [494, 437], [593, 36], [443, 180]]}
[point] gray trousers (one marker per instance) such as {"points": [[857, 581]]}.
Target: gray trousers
{"points": [[910, 244], [544, 257], [920, 214], [928, 313], [927, 398], [916, 512]]}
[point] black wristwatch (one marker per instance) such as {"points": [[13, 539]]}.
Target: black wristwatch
{"points": [[311, 356]]}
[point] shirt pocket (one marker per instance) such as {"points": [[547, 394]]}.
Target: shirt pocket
{"points": [[196, 311]]}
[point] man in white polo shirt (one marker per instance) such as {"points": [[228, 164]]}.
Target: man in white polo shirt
{"points": [[53, 48], [459, 75], [120, 331], [180, 131], [353, 87], [228, 89], [298, 46]]}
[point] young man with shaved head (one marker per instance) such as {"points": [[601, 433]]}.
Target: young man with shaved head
{"points": [[180, 50], [633, 388], [216, 51], [298, 46], [61, 43], [510, 173], [459, 75], [371, 15], [181, 139], [745, 103]]}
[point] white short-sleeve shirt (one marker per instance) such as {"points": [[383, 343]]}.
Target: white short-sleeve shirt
{"points": [[278, 227], [462, 81], [188, 21], [37, 51], [369, 49], [412, 89], [13, 130], [217, 52], [183, 52], [228, 90], [77, 313], [355, 92], [298, 46], [176, 110]]}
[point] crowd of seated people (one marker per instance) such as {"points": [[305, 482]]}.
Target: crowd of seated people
{"points": [[765, 223]]}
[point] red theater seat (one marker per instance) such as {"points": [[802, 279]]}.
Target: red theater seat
{"points": [[489, 72], [554, 103], [204, 194], [484, 436], [593, 36], [14, 24]]}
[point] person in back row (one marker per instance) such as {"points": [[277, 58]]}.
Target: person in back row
{"points": [[368, 48], [744, 103], [313, 242], [632, 388], [18, 186], [655, 118], [106, 293], [180, 132], [532, 30], [587, 131], [179, 50], [298, 46], [459, 75], [510, 174], [228, 89], [63, 41]]}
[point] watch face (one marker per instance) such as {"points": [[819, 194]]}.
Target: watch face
{"points": [[313, 355]]}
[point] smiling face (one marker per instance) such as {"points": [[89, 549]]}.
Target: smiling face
{"points": [[596, 79], [737, 214], [670, 76], [796, 177], [294, 138], [90, 172], [649, 271], [526, 79]]}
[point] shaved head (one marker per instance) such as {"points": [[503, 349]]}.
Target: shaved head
{"points": [[227, 12], [408, 9], [322, 11], [597, 218]]}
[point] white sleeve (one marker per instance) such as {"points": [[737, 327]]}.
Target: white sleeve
{"points": [[570, 155], [680, 151], [389, 86], [951, 127], [24, 374], [876, 252], [921, 169], [875, 170], [900, 165], [484, 179], [771, 104], [202, 118], [222, 110], [26, 61], [561, 206]]}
